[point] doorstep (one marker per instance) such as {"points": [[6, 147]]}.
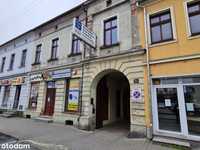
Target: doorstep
{"points": [[172, 141]]}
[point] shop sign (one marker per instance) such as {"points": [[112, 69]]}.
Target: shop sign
{"points": [[136, 94], [60, 74], [18, 81], [5, 82], [81, 31], [36, 78]]}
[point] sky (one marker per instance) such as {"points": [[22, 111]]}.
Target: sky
{"points": [[19, 16]]}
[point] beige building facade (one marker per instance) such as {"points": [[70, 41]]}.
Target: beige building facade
{"points": [[90, 88]]}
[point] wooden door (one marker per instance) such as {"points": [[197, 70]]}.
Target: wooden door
{"points": [[17, 96], [50, 101], [101, 103]]}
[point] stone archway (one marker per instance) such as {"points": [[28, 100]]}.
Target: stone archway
{"points": [[110, 90]]}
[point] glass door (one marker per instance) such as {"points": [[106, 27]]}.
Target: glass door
{"points": [[192, 106], [167, 106]]}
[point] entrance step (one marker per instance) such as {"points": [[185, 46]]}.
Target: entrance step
{"points": [[173, 141], [45, 119], [9, 114]]}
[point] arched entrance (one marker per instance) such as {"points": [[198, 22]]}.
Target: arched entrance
{"points": [[112, 99]]}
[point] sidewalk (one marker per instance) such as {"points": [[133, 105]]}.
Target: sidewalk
{"points": [[74, 139]]}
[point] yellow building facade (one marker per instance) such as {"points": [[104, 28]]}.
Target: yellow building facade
{"points": [[170, 32]]}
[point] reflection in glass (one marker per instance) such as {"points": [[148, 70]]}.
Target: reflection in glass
{"points": [[168, 110], [192, 104]]}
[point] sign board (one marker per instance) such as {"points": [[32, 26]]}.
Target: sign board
{"points": [[84, 33], [5, 82], [18, 81], [136, 94], [36, 78], [61, 74]]}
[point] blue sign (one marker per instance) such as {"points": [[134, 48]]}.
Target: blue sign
{"points": [[78, 25], [61, 74]]}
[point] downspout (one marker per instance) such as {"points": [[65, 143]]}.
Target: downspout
{"points": [[82, 72], [150, 128]]}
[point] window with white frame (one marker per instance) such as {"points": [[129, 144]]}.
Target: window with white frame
{"points": [[161, 28], [193, 9]]}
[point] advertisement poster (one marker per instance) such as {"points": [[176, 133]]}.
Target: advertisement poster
{"points": [[73, 100], [73, 96]]}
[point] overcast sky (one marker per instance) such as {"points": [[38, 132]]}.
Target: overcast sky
{"points": [[19, 16]]}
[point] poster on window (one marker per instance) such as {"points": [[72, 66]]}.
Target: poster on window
{"points": [[73, 100]]}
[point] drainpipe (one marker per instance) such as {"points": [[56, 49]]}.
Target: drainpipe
{"points": [[149, 131], [82, 74]]}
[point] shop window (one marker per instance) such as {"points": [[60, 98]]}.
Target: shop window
{"points": [[6, 96], [75, 46], [72, 95], [3, 64], [23, 59], [194, 17], [11, 62], [34, 96], [161, 27], [110, 32]]}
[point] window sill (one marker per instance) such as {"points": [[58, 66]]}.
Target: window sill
{"points": [[73, 55], [36, 63], [110, 46], [53, 59], [71, 112], [191, 37], [163, 43]]}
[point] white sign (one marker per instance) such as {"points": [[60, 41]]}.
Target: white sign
{"points": [[190, 107], [84, 33], [168, 103], [36, 78], [136, 94]]}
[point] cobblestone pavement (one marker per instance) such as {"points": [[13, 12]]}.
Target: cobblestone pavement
{"points": [[60, 137]]}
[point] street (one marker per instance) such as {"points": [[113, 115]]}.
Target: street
{"points": [[61, 137]]}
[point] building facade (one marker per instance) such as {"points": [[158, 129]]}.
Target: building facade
{"points": [[68, 81], [169, 30], [80, 85], [56, 69], [15, 57]]}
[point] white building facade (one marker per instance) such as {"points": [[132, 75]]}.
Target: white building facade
{"points": [[15, 66]]}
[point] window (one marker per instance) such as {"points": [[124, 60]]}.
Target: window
{"points": [[110, 32], [37, 54], [75, 45], [12, 62], [34, 96], [23, 59], [194, 17], [108, 3], [3, 63], [161, 27], [54, 49]]}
